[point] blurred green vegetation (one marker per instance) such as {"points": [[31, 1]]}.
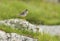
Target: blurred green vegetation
{"points": [[39, 12]]}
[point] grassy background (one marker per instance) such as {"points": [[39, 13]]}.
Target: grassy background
{"points": [[39, 12]]}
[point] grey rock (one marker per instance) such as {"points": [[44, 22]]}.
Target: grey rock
{"points": [[20, 24], [25, 25], [14, 37]]}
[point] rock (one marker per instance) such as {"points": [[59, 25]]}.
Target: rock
{"points": [[51, 29], [3, 36], [25, 25], [21, 24], [14, 37]]}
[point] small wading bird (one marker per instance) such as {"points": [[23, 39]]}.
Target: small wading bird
{"points": [[23, 14]]}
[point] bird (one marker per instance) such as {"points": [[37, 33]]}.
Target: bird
{"points": [[24, 13]]}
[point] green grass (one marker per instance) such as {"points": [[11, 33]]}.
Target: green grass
{"points": [[39, 12], [37, 35]]}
